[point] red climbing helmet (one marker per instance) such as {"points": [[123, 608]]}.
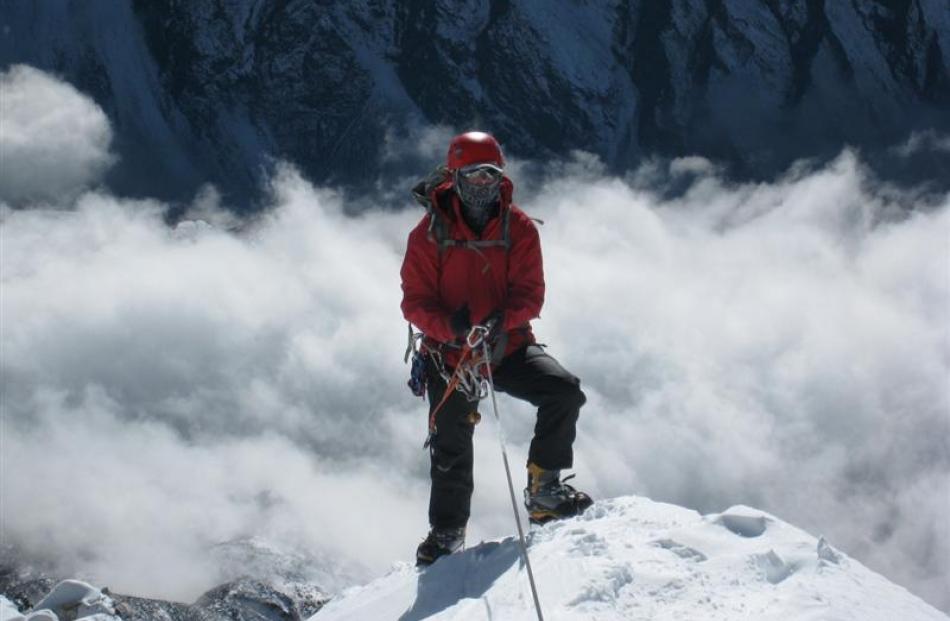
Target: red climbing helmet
{"points": [[474, 148]]}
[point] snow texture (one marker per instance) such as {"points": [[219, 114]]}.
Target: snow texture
{"points": [[8, 612], [631, 558], [70, 599]]}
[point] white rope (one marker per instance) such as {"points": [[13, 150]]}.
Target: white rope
{"points": [[490, 386]]}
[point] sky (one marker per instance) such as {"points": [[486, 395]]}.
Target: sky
{"points": [[169, 389]]}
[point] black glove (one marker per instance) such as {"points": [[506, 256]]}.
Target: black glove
{"points": [[495, 322], [461, 322]]}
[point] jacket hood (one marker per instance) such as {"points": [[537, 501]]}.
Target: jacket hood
{"points": [[506, 191]]}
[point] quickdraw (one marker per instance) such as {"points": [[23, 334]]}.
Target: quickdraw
{"points": [[467, 377]]}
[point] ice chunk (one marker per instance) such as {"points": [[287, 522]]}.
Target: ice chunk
{"points": [[77, 600], [826, 552], [773, 567]]}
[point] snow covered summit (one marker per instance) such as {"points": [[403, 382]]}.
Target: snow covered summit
{"points": [[631, 558]]}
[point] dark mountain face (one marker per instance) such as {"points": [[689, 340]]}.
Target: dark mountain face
{"points": [[214, 91]]}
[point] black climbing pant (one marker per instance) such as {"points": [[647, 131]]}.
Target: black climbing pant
{"points": [[529, 374]]}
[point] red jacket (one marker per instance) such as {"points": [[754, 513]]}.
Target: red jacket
{"points": [[435, 284]]}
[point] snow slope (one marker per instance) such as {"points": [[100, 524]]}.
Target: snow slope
{"points": [[632, 558]]}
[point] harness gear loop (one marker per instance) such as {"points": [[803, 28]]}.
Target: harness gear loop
{"points": [[467, 376], [412, 347]]}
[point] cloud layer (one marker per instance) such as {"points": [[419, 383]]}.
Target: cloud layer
{"points": [[54, 141], [782, 345]]}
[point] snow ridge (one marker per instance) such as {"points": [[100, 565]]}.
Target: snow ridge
{"points": [[628, 558], [632, 558]]}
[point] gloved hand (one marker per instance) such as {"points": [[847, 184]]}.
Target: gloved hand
{"points": [[461, 322], [495, 322]]}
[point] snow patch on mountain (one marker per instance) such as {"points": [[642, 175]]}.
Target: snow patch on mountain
{"points": [[213, 91], [633, 558], [70, 599]]}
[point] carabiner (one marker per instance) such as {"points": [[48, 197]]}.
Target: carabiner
{"points": [[475, 336]]}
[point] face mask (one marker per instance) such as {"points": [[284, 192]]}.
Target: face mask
{"points": [[479, 187]]}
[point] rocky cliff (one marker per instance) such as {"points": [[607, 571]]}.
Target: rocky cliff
{"points": [[214, 91]]}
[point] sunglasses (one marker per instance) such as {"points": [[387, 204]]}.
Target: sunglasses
{"points": [[481, 173]]}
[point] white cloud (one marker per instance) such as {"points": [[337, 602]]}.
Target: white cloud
{"points": [[426, 143], [928, 140], [782, 345], [54, 141], [777, 345], [157, 383]]}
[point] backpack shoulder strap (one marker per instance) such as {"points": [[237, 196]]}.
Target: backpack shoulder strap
{"points": [[422, 193], [505, 240]]}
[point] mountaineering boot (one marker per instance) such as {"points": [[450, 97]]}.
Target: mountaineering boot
{"points": [[548, 498], [440, 542]]}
